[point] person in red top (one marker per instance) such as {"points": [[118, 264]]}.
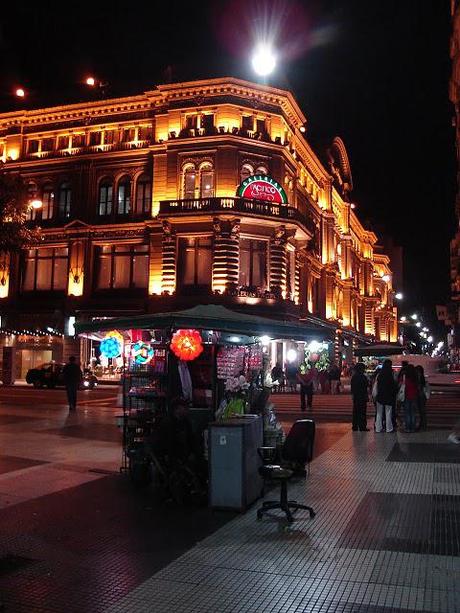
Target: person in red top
{"points": [[410, 397]]}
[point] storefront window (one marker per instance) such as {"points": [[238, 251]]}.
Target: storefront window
{"points": [[195, 261], [46, 269], [253, 263], [122, 267]]}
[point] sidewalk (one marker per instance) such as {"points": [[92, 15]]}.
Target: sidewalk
{"points": [[76, 537], [386, 537]]}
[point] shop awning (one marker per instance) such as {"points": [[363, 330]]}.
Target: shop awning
{"points": [[212, 317], [378, 350]]}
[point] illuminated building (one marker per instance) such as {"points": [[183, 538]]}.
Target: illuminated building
{"points": [[454, 94], [206, 191]]}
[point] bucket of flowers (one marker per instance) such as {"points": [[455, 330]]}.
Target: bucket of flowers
{"points": [[237, 391]]}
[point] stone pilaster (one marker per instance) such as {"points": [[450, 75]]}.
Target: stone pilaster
{"points": [[226, 256], [169, 261], [278, 263]]}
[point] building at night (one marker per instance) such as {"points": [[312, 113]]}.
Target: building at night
{"points": [[192, 193], [454, 93]]}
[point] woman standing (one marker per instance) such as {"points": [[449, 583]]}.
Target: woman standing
{"points": [[360, 394], [385, 397], [410, 397]]}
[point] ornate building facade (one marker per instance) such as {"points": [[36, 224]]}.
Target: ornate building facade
{"points": [[197, 192]]}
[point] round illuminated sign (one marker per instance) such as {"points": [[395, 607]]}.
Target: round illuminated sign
{"points": [[262, 187]]}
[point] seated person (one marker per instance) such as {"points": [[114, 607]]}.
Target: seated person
{"points": [[174, 442]]}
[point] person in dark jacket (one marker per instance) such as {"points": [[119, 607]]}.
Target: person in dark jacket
{"points": [[359, 392], [386, 397], [72, 379]]}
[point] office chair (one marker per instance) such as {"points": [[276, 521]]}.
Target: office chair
{"points": [[296, 452]]}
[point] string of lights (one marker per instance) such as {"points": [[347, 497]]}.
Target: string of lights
{"points": [[48, 332]]}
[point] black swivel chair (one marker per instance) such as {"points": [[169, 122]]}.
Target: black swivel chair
{"points": [[297, 451]]}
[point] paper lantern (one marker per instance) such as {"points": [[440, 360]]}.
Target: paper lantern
{"points": [[110, 347], [142, 352], [186, 344]]}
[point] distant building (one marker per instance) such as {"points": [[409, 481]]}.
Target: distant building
{"points": [[191, 193]]}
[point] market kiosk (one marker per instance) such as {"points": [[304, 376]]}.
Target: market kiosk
{"points": [[214, 358]]}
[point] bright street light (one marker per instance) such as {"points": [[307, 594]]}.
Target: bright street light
{"points": [[36, 203], [20, 93], [263, 60], [403, 318], [418, 324], [414, 316], [430, 339], [91, 81], [399, 296]]}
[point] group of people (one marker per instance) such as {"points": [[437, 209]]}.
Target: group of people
{"points": [[324, 381], [407, 390]]}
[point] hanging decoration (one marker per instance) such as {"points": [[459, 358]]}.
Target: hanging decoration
{"points": [[112, 344], [186, 344], [142, 352]]}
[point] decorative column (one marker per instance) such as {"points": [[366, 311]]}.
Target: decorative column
{"points": [[298, 268], [169, 264], [155, 264], [226, 257], [278, 262]]}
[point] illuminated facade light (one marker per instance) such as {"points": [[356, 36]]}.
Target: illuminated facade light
{"points": [[399, 296], [263, 60], [20, 92], [91, 81]]}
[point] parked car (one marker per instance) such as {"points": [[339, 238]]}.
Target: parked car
{"points": [[50, 375]]}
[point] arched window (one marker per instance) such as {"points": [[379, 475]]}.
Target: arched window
{"points": [[65, 196], [246, 171], [261, 170], [48, 201], [189, 180], [143, 195], [206, 181], [105, 197], [124, 196]]}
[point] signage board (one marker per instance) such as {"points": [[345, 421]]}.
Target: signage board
{"points": [[262, 187]]}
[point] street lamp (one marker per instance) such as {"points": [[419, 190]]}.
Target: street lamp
{"points": [[263, 60], [399, 296], [36, 204], [414, 316], [20, 92]]}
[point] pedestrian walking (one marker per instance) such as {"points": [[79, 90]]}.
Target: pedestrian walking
{"points": [[360, 394], [422, 396], [72, 378], [308, 383], [410, 391], [384, 391], [334, 377]]}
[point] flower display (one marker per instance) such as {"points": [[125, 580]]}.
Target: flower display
{"points": [[186, 344], [236, 385]]}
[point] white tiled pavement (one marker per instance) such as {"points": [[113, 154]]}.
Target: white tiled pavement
{"points": [[250, 566]]}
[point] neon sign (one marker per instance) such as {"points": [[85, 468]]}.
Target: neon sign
{"points": [[262, 187]]}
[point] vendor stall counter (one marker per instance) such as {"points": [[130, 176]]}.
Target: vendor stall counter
{"points": [[234, 480]]}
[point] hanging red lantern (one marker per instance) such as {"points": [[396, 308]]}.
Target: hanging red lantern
{"points": [[186, 344]]}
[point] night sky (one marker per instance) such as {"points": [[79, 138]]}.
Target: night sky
{"points": [[375, 73]]}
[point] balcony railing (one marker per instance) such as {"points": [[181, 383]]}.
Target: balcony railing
{"points": [[245, 206]]}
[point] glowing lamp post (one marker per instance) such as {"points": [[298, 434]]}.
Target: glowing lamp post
{"points": [[20, 92], [263, 60]]}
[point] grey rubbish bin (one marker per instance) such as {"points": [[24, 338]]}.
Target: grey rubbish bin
{"points": [[234, 480]]}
